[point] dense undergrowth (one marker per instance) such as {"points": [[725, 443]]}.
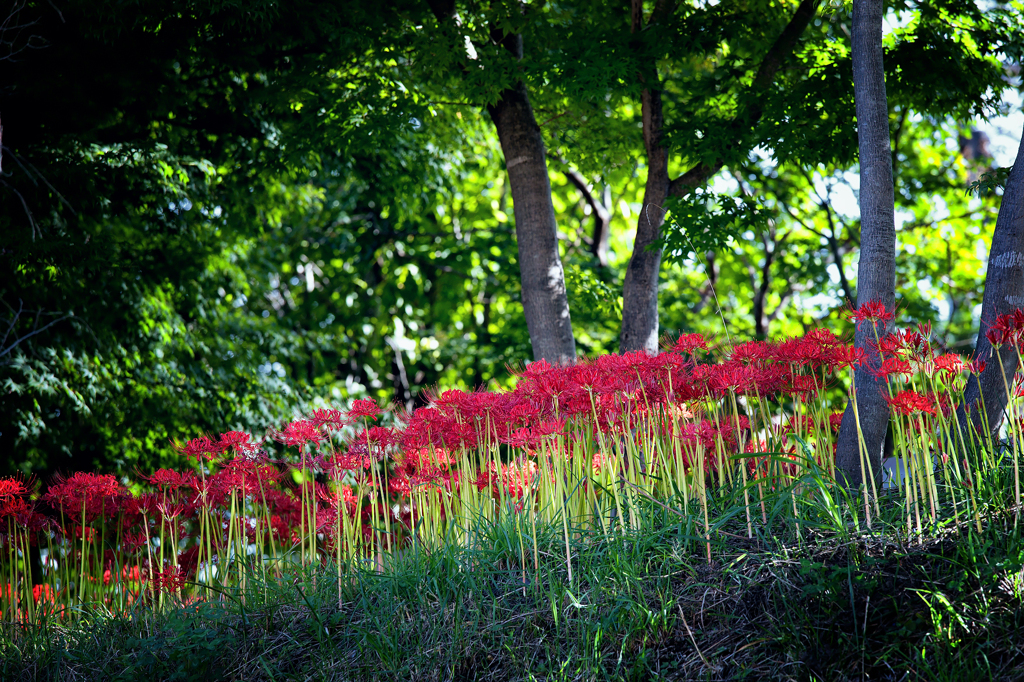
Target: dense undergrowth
{"points": [[630, 517], [836, 607]]}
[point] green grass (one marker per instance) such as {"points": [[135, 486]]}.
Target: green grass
{"points": [[836, 606]]}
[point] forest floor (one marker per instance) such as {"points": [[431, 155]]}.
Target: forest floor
{"points": [[645, 606]]}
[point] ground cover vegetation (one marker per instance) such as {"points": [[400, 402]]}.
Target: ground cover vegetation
{"points": [[592, 502], [243, 216]]}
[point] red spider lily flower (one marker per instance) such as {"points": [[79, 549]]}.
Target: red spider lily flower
{"points": [[688, 343], [846, 356], [97, 494], [521, 438], [802, 384], [166, 479], [336, 465], [238, 441], [330, 418], [242, 476], [43, 593], [835, 420], [871, 311], [201, 448], [951, 363], [902, 342], [26, 517], [910, 402], [338, 497], [997, 336], [365, 409], [11, 488], [399, 485], [978, 366], [172, 510], [753, 352], [300, 432], [523, 411], [892, 366], [1007, 329], [169, 580]]}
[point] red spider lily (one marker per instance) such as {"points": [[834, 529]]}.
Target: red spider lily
{"points": [[365, 409], [522, 438], [25, 516], [172, 510], [892, 366], [339, 497], [688, 343], [242, 476], [330, 419], [802, 384], [201, 448], [43, 593], [871, 311], [300, 432], [169, 580], [515, 478], [399, 485], [1007, 329], [523, 411], [127, 573], [846, 356], [951, 363], [815, 348], [753, 352], [903, 342], [238, 441], [336, 465], [165, 479], [911, 402], [835, 420], [97, 494], [11, 488], [379, 441]]}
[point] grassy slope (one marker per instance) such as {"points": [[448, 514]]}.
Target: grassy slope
{"points": [[647, 606]]}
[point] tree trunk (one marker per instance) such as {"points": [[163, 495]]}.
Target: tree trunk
{"points": [[545, 303], [876, 273], [640, 289], [1004, 293], [543, 280]]}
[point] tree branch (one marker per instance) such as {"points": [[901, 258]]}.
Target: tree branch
{"points": [[749, 117], [602, 215], [32, 333]]}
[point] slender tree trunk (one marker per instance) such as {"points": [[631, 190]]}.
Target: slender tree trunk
{"points": [[640, 290], [1004, 293], [599, 209], [545, 303], [876, 273], [543, 281]]}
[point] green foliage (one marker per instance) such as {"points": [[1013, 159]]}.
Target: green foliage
{"points": [[704, 221], [989, 182], [169, 166]]}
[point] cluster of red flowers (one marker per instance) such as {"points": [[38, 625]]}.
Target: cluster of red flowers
{"points": [[1007, 329], [350, 466]]}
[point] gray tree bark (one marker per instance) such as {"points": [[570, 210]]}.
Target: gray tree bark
{"points": [[545, 303], [876, 273], [1004, 293], [640, 326]]}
